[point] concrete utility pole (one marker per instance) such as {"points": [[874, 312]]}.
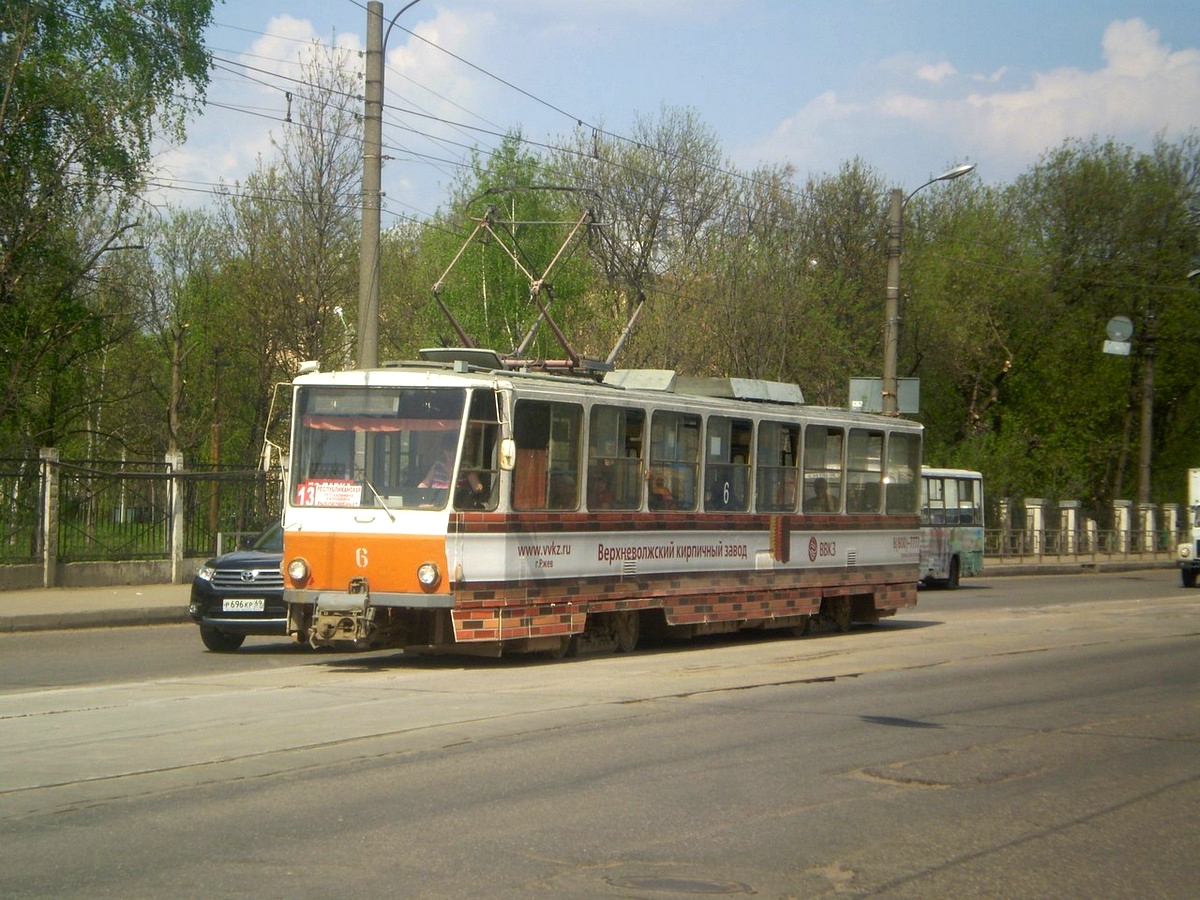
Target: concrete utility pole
{"points": [[368, 262], [891, 309], [372, 197]]}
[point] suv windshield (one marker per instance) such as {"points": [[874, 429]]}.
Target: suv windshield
{"points": [[270, 541]]}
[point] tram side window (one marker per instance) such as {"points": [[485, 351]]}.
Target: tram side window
{"points": [[903, 473], [546, 474], [778, 456], [615, 458], [478, 472], [864, 471], [822, 469], [727, 464], [674, 460]]}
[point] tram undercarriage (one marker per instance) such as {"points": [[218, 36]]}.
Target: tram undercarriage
{"points": [[351, 624]]}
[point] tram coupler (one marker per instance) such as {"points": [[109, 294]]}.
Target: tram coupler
{"points": [[341, 620]]}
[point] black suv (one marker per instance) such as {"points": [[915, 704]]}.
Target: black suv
{"points": [[241, 593]]}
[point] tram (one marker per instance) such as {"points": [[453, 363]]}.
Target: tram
{"points": [[463, 502]]}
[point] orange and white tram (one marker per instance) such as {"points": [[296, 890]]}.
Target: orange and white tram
{"points": [[463, 505]]}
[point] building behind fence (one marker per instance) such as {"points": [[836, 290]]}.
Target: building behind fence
{"points": [[112, 522], [101, 522]]}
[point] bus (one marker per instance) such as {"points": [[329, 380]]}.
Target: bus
{"points": [[461, 503], [951, 526]]}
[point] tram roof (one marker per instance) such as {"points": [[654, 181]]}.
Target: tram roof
{"points": [[477, 361]]}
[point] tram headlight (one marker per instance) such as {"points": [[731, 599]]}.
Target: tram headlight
{"points": [[297, 570], [428, 575], [1184, 551]]}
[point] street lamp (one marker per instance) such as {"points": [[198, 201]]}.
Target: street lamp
{"points": [[368, 263], [891, 311]]}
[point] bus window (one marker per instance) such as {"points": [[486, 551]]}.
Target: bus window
{"points": [[903, 473], [615, 458], [727, 464], [970, 502], [933, 501], [674, 460], [778, 456], [546, 474], [822, 469]]}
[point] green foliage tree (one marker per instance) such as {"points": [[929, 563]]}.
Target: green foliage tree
{"points": [[291, 276], [87, 84], [746, 286], [843, 224], [507, 231], [184, 306], [1008, 292], [654, 196]]}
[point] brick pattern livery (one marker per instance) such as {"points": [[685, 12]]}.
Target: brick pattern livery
{"points": [[548, 607]]}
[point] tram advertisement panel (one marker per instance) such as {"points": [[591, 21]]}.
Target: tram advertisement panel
{"points": [[531, 555]]}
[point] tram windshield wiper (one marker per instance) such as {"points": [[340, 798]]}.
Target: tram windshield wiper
{"points": [[381, 501]]}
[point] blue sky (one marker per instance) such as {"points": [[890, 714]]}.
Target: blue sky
{"points": [[909, 87]]}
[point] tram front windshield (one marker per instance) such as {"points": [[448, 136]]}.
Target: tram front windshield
{"points": [[375, 447]]}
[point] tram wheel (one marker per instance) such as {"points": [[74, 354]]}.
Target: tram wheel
{"points": [[842, 613], [626, 628], [1189, 577], [567, 647]]}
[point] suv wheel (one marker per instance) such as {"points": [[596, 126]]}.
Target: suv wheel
{"points": [[220, 641]]}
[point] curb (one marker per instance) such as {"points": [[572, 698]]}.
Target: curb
{"points": [[71, 621]]}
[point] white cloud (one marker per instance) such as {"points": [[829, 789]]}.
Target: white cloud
{"points": [[936, 73], [1144, 89], [420, 64]]}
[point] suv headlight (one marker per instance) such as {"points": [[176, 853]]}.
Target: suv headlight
{"points": [[206, 573]]}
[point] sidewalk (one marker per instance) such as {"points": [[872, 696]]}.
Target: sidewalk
{"points": [[50, 609]]}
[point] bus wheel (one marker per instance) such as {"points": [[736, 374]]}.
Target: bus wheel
{"points": [[626, 626], [952, 578]]}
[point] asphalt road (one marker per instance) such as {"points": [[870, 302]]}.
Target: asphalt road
{"points": [[1022, 737]]}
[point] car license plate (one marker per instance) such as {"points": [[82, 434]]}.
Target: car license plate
{"points": [[243, 604]]}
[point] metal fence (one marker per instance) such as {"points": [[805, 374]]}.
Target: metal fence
{"points": [[1050, 545], [19, 515], [114, 510]]}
